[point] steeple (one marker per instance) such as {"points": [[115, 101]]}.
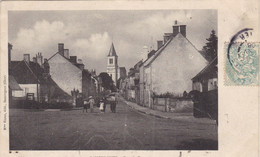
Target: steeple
{"points": [[112, 51]]}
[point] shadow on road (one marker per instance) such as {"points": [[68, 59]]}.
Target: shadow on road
{"points": [[198, 144]]}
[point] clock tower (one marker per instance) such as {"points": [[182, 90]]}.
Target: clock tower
{"points": [[112, 64]]}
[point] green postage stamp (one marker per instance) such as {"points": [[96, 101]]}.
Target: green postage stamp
{"points": [[241, 61]]}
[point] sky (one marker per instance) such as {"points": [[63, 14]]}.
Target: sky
{"points": [[89, 34]]}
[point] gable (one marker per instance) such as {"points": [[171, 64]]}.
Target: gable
{"points": [[65, 74], [176, 45], [174, 66]]}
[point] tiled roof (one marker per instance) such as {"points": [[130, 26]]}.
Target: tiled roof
{"points": [[210, 68], [56, 91], [13, 85], [26, 73]]}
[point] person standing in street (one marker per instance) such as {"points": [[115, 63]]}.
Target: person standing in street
{"points": [[101, 105], [91, 103], [85, 105]]}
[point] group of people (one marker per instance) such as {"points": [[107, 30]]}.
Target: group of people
{"points": [[102, 103]]}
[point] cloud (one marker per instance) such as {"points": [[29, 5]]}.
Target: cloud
{"points": [[93, 50], [40, 36], [43, 37], [89, 34], [94, 47]]}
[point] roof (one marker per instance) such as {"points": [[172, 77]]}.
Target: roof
{"points": [[159, 51], [211, 68], [56, 91], [138, 64], [75, 64], [152, 58], [112, 51], [27, 73], [13, 85]]}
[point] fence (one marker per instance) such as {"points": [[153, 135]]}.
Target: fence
{"points": [[180, 105]]}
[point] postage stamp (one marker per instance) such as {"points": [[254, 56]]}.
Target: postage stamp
{"points": [[241, 62]]}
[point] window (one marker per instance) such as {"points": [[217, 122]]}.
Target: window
{"points": [[110, 61]]}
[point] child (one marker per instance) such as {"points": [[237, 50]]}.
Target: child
{"points": [[101, 106]]}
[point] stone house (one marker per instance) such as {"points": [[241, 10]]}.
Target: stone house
{"points": [[35, 82], [171, 67], [69, 74]]}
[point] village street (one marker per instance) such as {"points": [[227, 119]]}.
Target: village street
{"points": [[125, 130]]}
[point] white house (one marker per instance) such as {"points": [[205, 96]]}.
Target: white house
{"points": [[172, 66]]}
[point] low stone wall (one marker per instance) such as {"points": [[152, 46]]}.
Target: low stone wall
{"points": [[178, 105]]}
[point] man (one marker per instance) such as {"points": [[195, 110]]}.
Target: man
{"points": [[85, 105]]}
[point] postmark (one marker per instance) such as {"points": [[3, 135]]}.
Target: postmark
{"points": [[241, 63]]}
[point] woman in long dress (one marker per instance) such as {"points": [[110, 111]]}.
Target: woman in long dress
{"points": [[91, 103]]}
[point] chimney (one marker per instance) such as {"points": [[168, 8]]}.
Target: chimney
{"points": [[183, 30], [80, 61], [66, 53], [34, 60], [73, 59], [93, 72], [175, 28], [166, 37], [46, 66], [159, 44], [26, 58], [61, 48], [39, 58]]}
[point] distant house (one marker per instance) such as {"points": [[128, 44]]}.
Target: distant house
{"points": [[130, 85], [171, 67], [34, 81], [28, 76], [69, 74], [207, 79], [13, 86]]}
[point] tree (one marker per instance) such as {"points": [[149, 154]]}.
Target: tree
{"points": [[107, 81], [210, 50]]}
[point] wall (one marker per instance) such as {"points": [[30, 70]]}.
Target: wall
{"points": [[147, 87], [173, 69], [176, 105], [65, 74], [141, 85], [26, 88]]}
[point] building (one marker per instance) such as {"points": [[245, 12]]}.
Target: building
{"points": [[207, 79], [69, 74], [122, 71], [206, 82], [13, 87], [129, 87], [171, 67], [113, 70], [34, 81]]}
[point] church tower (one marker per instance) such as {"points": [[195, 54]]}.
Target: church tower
{"points": [[112, 64]]}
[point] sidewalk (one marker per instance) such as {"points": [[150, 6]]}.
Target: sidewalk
{"points": [[185, 117]]}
